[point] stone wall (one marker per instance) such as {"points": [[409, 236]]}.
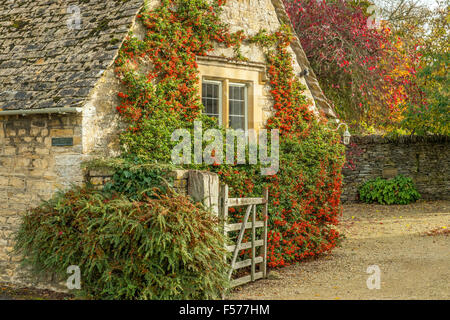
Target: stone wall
{"points": [[425, 159], [201, 186], [31, 169], [100, 176]]}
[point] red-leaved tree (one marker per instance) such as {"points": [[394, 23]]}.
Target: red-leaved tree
{"points": [[359, 64]]}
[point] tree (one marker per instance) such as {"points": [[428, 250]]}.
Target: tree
{"points": [[368, 72], [431, 113], [403, 15]]}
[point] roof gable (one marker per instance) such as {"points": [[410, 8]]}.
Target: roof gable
{"points": [[313, 84]]}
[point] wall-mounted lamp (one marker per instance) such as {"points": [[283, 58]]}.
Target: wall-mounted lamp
{"points": [[304, 73], [347, 137], [347, 134]]}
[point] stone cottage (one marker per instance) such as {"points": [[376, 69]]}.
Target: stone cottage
{"points": [[58, 92]]}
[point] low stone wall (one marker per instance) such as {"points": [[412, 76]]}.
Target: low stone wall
{"points": [[425, 159], [202, 186]]}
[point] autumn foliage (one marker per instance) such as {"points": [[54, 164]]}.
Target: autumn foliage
{"points": [[365, 70]]}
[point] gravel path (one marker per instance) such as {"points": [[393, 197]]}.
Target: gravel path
{"points": [[410, 244]]}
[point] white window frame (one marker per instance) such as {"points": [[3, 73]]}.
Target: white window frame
{"points": [[245, 86], [220, 96]]}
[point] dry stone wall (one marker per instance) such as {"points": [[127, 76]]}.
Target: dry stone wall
{"points": [[425, 159]]}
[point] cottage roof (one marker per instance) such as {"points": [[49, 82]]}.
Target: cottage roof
{"points": [[48, 60]]}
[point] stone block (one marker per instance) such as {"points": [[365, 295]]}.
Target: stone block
{"points": [[101, 172], [180, 184], [77, 140], [44, 132], [15, 182], [61, 132], [42, 151], [204, 187], [40, 163], [96, 181], [10, 133], [22, 149], [3, 181], [9, 151], [179, 174], [389, 173], [34, 132]]}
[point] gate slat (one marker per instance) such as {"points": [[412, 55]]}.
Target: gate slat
{"points": [[246, 263], [246, 245], [246, 279], [238, 226], [239, 202]]}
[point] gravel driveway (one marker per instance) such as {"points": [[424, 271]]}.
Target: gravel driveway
{"points": [[410, 245]]}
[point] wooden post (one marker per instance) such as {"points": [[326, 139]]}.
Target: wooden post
{"points": [[265, 217], [223, 203], [223, 216], [253, 242]]}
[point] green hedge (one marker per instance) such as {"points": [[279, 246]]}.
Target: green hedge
{"points": [[399, 190], [160, 247]]}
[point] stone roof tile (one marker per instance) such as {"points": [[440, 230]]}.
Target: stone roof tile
{"points": [[46, 62]]}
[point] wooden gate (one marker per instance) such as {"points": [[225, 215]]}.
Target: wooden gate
{"points": [[261, 259]]}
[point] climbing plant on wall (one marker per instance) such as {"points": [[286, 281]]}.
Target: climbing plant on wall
{"points": [[115, 233], [304, 193], [136, 238]]}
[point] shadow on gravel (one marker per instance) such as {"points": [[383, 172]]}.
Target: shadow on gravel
{"points": [[9, 293]]}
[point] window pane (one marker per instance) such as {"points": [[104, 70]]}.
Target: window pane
{"points": [[237, 107], [237, 122], [210, 99]]}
